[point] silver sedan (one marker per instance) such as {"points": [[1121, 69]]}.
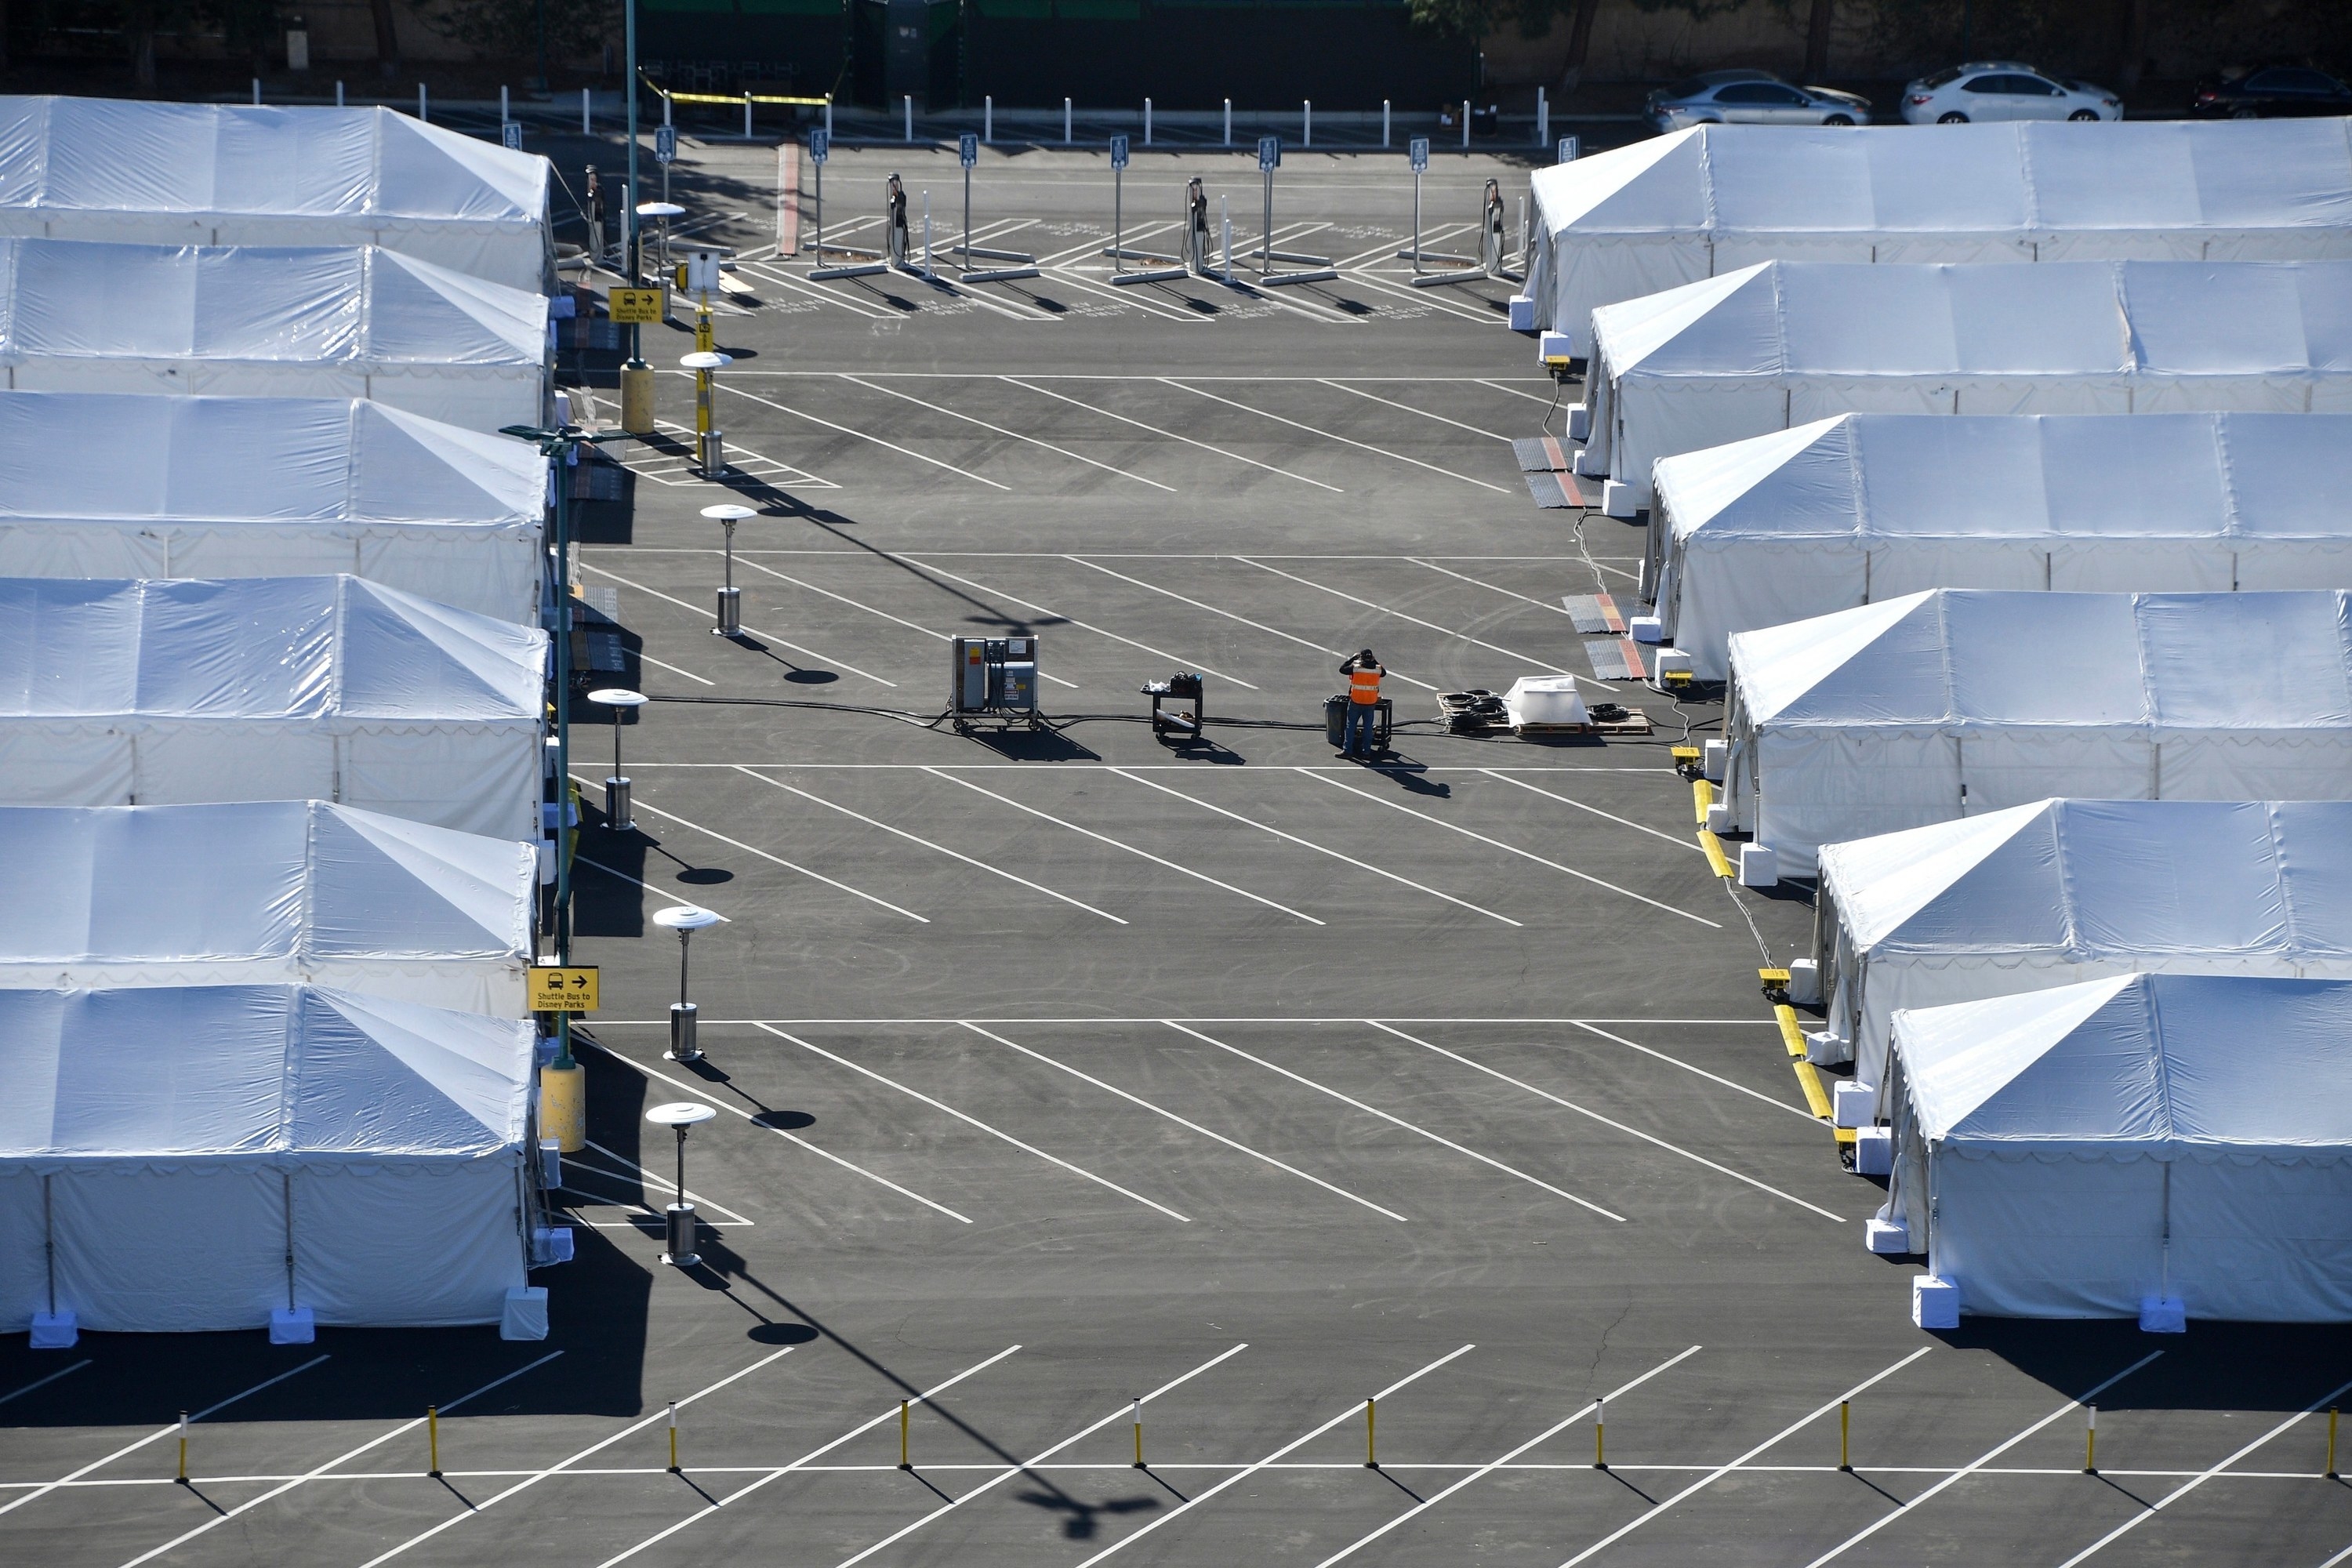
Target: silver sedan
{"points": [[1751, 98]]}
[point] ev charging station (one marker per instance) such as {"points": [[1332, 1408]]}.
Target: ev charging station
{"points": [[863, 263], [1024, 264], [1117, 252], [1320, 270], [1196, 229], [1490, 261]]}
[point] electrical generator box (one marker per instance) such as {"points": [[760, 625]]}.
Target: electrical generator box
{"points": [[993, 678]]}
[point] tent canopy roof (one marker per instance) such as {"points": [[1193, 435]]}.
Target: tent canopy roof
{"points": [[2107, 880], [123, 457], [2137, 1064], [2021, 178], [1886, 476], [2062, 318], [277, 878], [258, 647], [266, 1073], [2216, 661], [105, 155], [354, 304]]}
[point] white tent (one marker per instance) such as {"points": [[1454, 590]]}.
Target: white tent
{"points": [[2085, 1151], [1863, 507], [205, 174], [109, 484], [294, 321], [274, 892], [1714, 198], [1786, 342], [187, 1160], [1957, 702], [117, 693], [2067, 890]]}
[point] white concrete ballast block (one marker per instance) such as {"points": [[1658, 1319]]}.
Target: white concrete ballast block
{"points": [[1935, 1303], [1618, 499], [1579, 422], [1873, 1150], [1854, 1104], [1712, 756], [1887, 1237], [1523, 313], [1646, 629], [1760, 866]]}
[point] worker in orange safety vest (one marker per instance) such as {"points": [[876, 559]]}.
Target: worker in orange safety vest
{"points": [[1363, 673]]}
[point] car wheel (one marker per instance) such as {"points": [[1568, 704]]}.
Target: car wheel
{"points": [[2245, 112], [1955, 118], [2084, 114], [1838, 119]]}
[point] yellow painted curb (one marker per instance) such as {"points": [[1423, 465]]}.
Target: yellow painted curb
{"points": [[1714, 847]]}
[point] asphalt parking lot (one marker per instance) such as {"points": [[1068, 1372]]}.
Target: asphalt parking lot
{"points": [[1065, 1068]]}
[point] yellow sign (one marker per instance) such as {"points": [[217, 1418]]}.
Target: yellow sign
{"points": [[554, 990], [636, 307]]}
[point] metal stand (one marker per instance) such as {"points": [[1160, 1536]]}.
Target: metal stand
{"points": [[682, 1044], [1168, 719], [616, 804], [1025, 264], [1196, 227], [1321, 270], [1487, 264], [729, 620], [866, 263], [677, 1231], [895, 239], [1118, 253]]}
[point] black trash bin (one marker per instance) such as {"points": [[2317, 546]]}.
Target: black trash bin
{"points": [[1335, 719]]}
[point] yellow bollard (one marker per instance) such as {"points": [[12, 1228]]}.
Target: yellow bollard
{"points": [[563, 1106], [637, 398], [672, 1436], [1600, 1454], [182, 1476], [2090, 1439], [1845, 1410], [1371, 1451], [705, 339], [903, 1463], [1139, 1433], [2331, 1442], [433, 1438]]}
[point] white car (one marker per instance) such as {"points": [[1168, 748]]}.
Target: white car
{"points": [[2003, 89], [1750, 97]]}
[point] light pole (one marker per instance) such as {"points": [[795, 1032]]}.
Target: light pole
{"points": [[730, 598], [678, 1227], [710, 441], [685, 920], [616, 789], [665, 211]]}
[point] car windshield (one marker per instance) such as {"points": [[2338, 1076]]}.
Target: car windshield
{"points": [[1942, 78]]}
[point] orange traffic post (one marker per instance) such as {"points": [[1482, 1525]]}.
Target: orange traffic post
{"points": [[433, 1439], [1372, 1448], [1139, 1433], [1846, 1412], [182, 1476], [902, 1437], [672, 1436], [1600, 1454]]}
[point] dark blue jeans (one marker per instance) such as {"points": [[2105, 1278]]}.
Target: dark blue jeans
{"points": [[1355, 733]]}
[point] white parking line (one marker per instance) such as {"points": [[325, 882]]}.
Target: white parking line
{"points": [[1170, 434], [734, 388], [1180, 1122], [1393, 1121], [580, 859], [773, 272], [1013, 435], [1987, 1457], [1228, 614], [1319, 849], [1590, 1028], [1432, 625], [749, 630], [869, 609], [702, 1092], [1321, 777], [674, 669], [644, 1176], [1556, 609], [1105, 838], [929, 844], [1484, 1470], [47, 1487], [1607, 1120], [1244, 1474], [1679, 842], [782, 1470], [341, 1459], [1009, 1471], [1329, 436], [1408, 409], [478, 1510], [2128, 1526], [1073, 621], [1716, 1475], [1514, 391], [762, 854], [997, 1133]]}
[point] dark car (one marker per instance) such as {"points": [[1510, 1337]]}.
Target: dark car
{"points": [[2258, 92]]}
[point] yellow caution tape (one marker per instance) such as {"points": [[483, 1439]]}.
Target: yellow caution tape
{"points": [[737, 100], [1714, 847]]}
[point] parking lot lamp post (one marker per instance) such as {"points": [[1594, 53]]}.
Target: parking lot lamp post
{"points": [[685, 920]]}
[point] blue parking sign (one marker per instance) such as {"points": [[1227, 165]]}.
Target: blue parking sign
{"points": [[1417, 150], [1119, 151], [1269, 153], [820, 145], [664, 143], [968, 148]]}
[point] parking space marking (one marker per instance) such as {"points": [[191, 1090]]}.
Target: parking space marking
{"points": [[1432, 625], [475, 1510], [1491, 587], [1001, 430], [1591, 1027], [42, 1382], [1180, 1122], [1105, 838], [997, 1133], [929, 844], [751, 631], [1073, 621], [1327, 435], [1324, 1088], [1606, 1120], [1390, 243], [1408, 409], [674, 669], [1246, 1471], [1009, 1471], [46, 1487], [1515, 391], [702, 1090], [2199, 1479], [1719, 1473], [648, 1177], [580, 859], [1866, 1531], [1484, 1470], [1228, 614], [288, 1485], [1169, 435], [733, 388], [1321, 777], [1319, 849], [1679, 842], [869, 609], [773, 272], [781, 1471], [762, 854]]}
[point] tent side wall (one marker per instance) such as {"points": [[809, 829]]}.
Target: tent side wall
{"points": [[410, 1244], [2053, 1235]]}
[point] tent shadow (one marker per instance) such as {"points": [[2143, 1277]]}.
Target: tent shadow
{"points": [[2280, 1367]]}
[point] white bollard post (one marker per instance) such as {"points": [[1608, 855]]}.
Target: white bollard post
{"points": [[1306, 122], [1225, 224], [926, 238], [666, 109], [1543, 118], [1384, 122], [503, 115], [256, 92], [828, 116], [1229, 123], [338, 95], [747, 117], [1146, 123], [1466, 125], [907, 101], [424, 106], [1065, 123], [587, 126], [988, 119]]}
